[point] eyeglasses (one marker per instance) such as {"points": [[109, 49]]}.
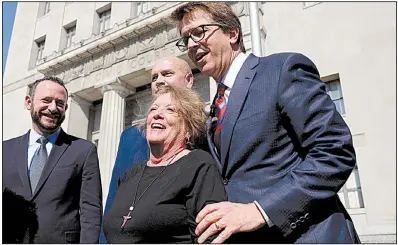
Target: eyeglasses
{"points": [[196, 34]]}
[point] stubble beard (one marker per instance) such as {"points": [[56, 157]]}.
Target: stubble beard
{"points": [[44, 128]]}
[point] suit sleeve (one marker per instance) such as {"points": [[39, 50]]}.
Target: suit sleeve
{"points": [[322, 135], [90, 199], [115, 179], [132, 149]]}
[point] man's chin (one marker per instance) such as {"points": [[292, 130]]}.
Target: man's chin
{"points": [[48, 128], [206, 71]]}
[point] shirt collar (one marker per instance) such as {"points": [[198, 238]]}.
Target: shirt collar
{"points": [[233, 70], [34, 136]]}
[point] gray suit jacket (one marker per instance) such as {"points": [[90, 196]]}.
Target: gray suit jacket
{"points": [[68, 196]]}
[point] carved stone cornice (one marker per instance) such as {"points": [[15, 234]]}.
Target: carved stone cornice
{"points": [[120, 87], [79, 100], [119, 53], [138, 31], [100, 43]]}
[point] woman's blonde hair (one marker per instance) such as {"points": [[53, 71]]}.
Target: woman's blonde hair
{"points": [[191, 107]]}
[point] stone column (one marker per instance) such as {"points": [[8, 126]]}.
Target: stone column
{"points": [[77, 116], [111, 127]]}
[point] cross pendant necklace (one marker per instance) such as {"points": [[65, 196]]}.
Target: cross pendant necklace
{"points": [[128, 216]]}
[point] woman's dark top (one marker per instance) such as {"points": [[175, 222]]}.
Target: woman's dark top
{"points": [[166, 212]]}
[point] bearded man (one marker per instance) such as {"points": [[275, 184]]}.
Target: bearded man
{"points": [[58, 172]]}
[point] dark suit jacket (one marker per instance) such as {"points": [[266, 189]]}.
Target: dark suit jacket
{"points": [[19, 218], [284, 144], [133, 148], [68, 196]]}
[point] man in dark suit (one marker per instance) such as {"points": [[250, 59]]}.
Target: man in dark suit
{"points": [[56, 171], [133, 146], [283, 149], [19, 218]]}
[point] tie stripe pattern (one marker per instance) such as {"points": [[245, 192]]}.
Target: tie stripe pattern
{"points": [[221, 106], [38, 162]]}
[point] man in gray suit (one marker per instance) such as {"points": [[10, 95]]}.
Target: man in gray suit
{"points": [[58, 172]]}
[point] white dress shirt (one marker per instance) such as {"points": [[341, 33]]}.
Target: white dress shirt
{"points": [[229, 80], [34, 146]]}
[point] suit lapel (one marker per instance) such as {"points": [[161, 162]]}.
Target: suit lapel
{"points": [[235, 104], [21, 160], [57, 151], [210, 142]]}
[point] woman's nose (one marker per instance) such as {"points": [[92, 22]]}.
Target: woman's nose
{"points": [[159, 113]]}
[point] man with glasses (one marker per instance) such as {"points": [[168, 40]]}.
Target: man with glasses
{"points": [[283, 149]]}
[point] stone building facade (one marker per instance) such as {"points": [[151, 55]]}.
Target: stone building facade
{"points": [[104, 51]]}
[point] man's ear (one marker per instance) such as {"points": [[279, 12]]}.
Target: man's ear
{"points": [[234, 36], [28, 102], [189, 80], [66, 106]]}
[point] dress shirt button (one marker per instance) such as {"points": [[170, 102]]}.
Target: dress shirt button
{"points": [[225, 181]]}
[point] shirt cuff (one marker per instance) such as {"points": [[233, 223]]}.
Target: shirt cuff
{"points": [[267, 219]]}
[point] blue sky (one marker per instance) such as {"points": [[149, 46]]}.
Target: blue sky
{"points": [[9, 9]]}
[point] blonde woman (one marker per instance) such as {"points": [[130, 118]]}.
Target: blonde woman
{"points": [[158, 200]]}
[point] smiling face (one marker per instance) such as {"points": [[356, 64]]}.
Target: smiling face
{"points": [[172, 71], [47, 107], [215, 52], [164, 126]]}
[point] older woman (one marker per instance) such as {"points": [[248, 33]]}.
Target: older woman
{"points": [[158, 200]]}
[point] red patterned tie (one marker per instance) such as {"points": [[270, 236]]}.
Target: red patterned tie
{"points": [[221, 106]]}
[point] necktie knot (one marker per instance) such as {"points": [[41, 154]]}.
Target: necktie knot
{"points": [[221, 88], [42, 140]]}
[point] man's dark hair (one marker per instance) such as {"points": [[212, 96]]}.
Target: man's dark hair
{"points": [[220, 12], [20, 222], [32, 88]]}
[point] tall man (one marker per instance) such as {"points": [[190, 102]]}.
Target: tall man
{"points": [[283, 149], [133, 147], [56, 171]]}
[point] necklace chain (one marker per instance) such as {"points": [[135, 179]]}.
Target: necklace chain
{"points": [[125, 218], [139, 180]]}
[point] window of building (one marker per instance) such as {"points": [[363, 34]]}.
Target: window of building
{"points": [[40, 49], [70, 35], [309, 4], [104, 20], [37, 51], [44, 8], [333, 88], [134, 10], [351, 193], [94, 122]]}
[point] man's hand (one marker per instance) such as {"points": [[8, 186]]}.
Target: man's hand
{"points": [[229, 218]]}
